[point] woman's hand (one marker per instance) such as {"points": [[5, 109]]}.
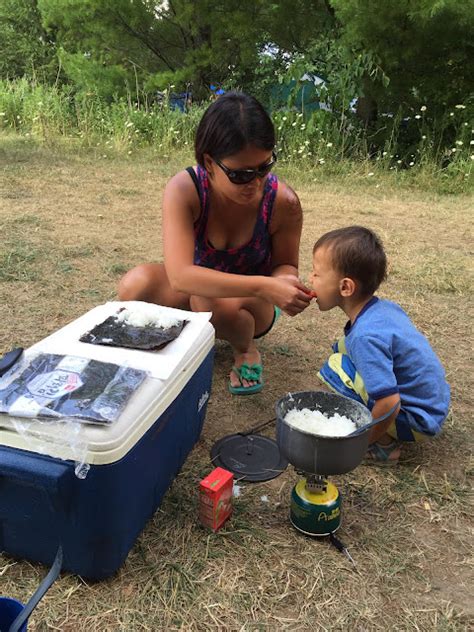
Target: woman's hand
{"points": [[286, 292]]}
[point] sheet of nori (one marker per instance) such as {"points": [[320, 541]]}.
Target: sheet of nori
{"points": [[119, 334], [104, 393]]}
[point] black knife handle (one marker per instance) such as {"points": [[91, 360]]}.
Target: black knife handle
{"points": [[9, 359]]}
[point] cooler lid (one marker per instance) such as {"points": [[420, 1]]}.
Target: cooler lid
{"points": [[102, 444], [161, 364]]}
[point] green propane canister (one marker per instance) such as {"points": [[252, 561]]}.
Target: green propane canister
{"points": [[315, 506]]}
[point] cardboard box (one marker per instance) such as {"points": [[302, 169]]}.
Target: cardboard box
{"points": [[215, 498]]}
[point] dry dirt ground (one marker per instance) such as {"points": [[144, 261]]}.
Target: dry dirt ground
{"points": [[70, 225]]}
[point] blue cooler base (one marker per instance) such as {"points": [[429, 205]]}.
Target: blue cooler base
{"points": [[97, 519]]}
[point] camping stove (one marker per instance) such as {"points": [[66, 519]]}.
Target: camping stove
{"points": [[315, 505], [315, 501]]}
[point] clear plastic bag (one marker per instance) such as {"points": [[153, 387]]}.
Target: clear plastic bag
{"points": [[58, 386]]}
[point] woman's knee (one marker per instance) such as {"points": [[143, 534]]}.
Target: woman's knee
{"points": [[225, 309], [137, 283]]}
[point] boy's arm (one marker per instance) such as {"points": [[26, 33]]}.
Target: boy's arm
{"points": [[372, 357], [381, 407]]}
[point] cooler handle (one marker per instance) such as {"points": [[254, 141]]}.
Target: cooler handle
{"points": [[26, 468]]}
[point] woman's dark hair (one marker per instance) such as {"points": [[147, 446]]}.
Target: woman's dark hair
{"points": [[357, 253], [234, 121]]}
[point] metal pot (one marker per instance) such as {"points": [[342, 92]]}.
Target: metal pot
{"points": [[316, 454]]}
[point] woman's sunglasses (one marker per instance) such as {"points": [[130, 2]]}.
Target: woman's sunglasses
{"points": [[244, 176]]}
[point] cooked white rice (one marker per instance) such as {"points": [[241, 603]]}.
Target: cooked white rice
{"points": [[317, 423], [148, 315]]}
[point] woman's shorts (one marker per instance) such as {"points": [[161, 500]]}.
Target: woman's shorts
{"points": [[276, 316]]}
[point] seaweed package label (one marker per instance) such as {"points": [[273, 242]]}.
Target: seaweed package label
{"points": [[70, 386], [54, 385], [65, 379]]}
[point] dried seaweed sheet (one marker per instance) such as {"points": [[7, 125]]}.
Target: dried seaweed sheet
{"points": [[114, 333], [68, 386]]}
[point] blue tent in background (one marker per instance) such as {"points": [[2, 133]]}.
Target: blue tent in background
{"points": [[180, 101], [306, 95], [217, 91]]}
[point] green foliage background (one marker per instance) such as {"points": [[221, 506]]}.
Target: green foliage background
{"points": [[89, 67]]}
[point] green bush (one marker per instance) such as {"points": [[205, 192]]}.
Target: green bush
{"points": [[416, 142]]}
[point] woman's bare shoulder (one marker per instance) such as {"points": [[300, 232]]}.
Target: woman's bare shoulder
{"points": [[181, 182], [181, 190], [287, 204]]}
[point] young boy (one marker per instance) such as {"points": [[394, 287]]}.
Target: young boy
{"points": [[382, 360]]}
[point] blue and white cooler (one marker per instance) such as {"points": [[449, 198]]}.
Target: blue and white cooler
{"points": [[92, 487]]}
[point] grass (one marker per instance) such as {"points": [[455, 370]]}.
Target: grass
{"points": [[80, 223], [414, 146]]}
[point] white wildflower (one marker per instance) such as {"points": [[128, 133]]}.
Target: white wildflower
{"points": [[284, 118], [460, 106], [459, 143], [411, 163], [423, 137], [418, 116], [423, 108], [328, 144], [370, 174], [471, 142]]}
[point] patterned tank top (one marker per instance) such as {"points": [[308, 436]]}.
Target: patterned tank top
{"points": [[252, 258]]}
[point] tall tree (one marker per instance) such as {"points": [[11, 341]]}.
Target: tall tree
{"points": [[26, 47], [173, 42], [425, 47]]}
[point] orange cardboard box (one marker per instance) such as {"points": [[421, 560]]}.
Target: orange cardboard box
{"points": [[215, 498]]}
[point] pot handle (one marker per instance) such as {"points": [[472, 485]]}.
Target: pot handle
{"points": [[374, 422]]}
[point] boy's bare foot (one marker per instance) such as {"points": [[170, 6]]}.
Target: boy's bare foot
{"points": [[385, 451]]}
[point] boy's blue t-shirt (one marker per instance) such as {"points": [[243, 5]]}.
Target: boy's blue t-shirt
{"points": [[392, 356]]}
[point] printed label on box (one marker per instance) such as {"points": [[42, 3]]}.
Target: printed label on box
{"points": [[215, 498]]}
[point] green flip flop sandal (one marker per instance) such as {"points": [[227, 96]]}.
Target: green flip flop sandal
{"points": [[253, 373], [381, 454]]}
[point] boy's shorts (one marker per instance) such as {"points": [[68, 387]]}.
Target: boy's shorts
{"points": [[340, 375]]}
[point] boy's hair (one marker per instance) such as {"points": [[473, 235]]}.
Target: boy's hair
{"points": [[234, 121], [357, 253]]}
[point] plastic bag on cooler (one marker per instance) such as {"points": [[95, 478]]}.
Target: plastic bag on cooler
{"points": [[55, 386]]}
